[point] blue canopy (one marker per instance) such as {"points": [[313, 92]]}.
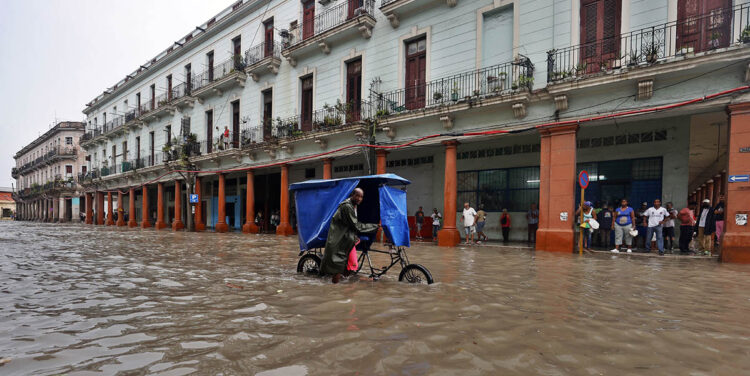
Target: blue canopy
{"points": [[318, 200]]}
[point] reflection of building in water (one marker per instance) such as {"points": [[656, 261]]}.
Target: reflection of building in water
{"points": [[7, 204], [272, 84]]}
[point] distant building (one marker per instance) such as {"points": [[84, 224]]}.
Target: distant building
{"points": [[7, 204], [46, 173]]}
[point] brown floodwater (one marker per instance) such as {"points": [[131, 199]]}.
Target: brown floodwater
{"points": [[84, 300]]}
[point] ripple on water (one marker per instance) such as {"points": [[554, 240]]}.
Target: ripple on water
{"points": [[92, 300]]}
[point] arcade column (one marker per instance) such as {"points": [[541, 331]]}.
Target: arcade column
{"points": [[110, 210], [177, 223], [284, 227], [145, 222], [89, 209], [327, 168], [735, 247], [120, 210], [160, 207], [448, 236], [198, 218], [221, 224], [250, 227], [557, 174], [380, 155], [131, 208], [100, 208]]}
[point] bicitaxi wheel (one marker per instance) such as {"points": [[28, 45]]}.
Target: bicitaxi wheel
{"points": [[309, 264], [415, 273]]}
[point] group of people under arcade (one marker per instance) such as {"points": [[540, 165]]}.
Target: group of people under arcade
{"points": [[648, 228]]}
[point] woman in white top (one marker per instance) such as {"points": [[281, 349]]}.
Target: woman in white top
{"points": [[588, 214]]}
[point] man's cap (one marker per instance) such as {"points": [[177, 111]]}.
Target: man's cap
{"points": [[706, 201], [644, 203]]}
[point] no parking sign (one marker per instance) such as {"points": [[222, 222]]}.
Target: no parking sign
{"points": [[583, 179]]}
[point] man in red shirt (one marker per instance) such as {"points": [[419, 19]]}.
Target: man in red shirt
{"points": [[687, 227]]}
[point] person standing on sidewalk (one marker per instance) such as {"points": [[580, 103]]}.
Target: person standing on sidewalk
{"points": [[706, 227], [505, 225], [481, 220], [656, 215], [436, 218], [470, 219], [719, 219], [605, 225], [669, 227], [623, 223], [419, 220], [532, 218], [687, 227]]}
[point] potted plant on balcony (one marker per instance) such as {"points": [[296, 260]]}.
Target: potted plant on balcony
{"points": [[745, 36], [652, 53], [454, 91], [437, 96], [633, 58], [714, 42], [616, 63]]}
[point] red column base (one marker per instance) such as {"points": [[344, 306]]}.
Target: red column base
{"points": [[145, 224], [555, 240], [89, 221], [200, 227], [160, 225], [449, 237], [250, 228], [120, 223], [109, 222], [221, 227], [735, 247], [284, 229], [132, 224], [177, 225]]}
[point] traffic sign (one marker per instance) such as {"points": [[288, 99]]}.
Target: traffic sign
{"points": [[193, 198], [583, 179], [739, 178]]}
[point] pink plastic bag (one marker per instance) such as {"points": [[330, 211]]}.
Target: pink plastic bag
{"points": [[352, 264]]}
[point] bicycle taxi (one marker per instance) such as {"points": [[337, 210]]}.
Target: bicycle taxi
{"points": [[384, 203]]}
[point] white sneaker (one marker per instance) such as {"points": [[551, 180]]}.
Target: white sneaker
{"points": [[630, 250], [614, 250]]}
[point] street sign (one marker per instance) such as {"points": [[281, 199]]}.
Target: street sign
{"points": [[193, 198], [583, 179], [739, 178]]}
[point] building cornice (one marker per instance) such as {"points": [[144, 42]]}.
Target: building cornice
{"points": [[59, 127], [182, 48]]}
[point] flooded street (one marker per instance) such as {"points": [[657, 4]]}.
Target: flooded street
{"points": [[85, 300]]}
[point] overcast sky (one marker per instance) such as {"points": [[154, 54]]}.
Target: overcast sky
{"points": [[57, 55]]}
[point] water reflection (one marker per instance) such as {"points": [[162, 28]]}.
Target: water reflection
{"points": [[85, 300]]}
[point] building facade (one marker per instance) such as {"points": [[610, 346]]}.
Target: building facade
{"points": [[46, 174], [7, 204], [497, 103]]}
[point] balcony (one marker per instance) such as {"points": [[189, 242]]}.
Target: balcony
{"points": [[216, 80], [508, 80], [14, 172], [157, 107], [53, 155], [325, 121], [181, 97], [263, 58], [337, 23], [394, 10], [722, 30]]}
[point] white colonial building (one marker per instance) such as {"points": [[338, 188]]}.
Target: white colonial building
{"points": [[270, 92]]}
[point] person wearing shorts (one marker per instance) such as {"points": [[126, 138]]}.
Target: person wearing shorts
{"points": [[623, 223], [470, 218]]}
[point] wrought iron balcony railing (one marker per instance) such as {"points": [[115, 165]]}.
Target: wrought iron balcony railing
{"points": [[329, 118], [493, 80], [236, 63], [262, 51], [718, 29], [330, 18]]}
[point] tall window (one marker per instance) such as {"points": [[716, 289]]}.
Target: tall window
{"points": [[354, 89], [138, 148], [307, 103], [600, 32], [188, 79], [236, 124], [210, 65], [308, 18], [416, 66], [153, 96], [209, 131], [703, 24], [152, 140], [268, 48], [267, 113], [68, 140], [169, 87]]}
